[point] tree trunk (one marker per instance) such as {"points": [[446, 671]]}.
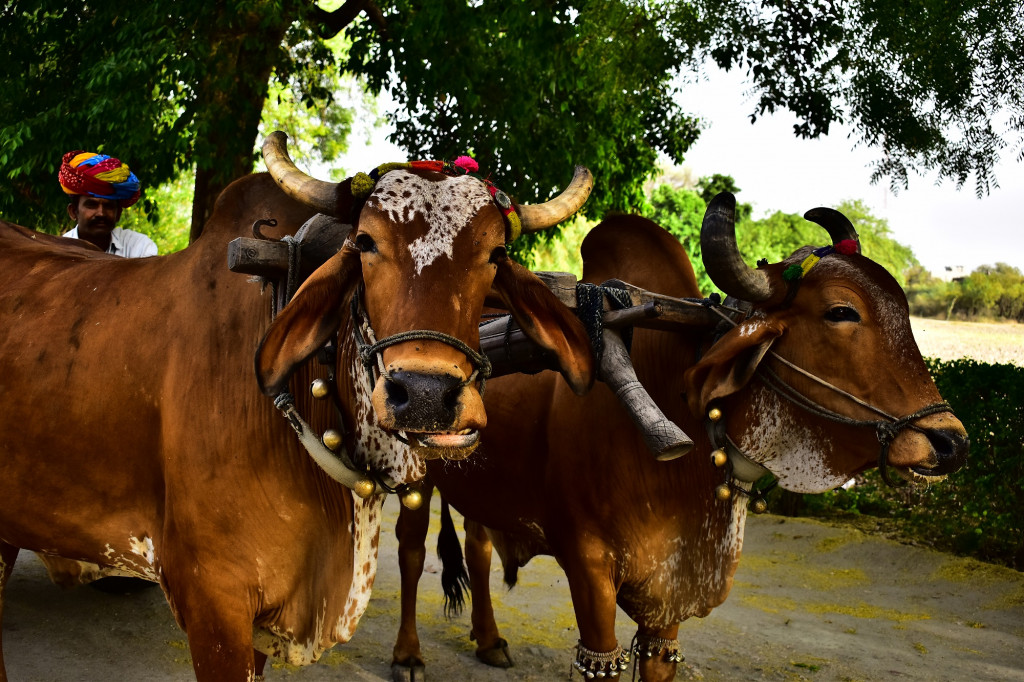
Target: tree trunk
{"points": [[245, 49], [230, 103]]}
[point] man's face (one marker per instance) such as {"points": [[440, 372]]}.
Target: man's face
{"points": [[94, 215]]}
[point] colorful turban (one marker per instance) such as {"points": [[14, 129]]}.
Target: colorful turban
{"points": [[98, 175]]}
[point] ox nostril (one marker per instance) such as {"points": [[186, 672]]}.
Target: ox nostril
{"points": [[950, 450], [450, 400], [397, 395]]}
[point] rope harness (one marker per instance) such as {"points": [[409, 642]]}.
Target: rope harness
{"points": [[590, 308], [371, 350]]}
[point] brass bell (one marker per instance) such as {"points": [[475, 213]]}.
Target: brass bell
{"points": [[332, 439], [364, 488], [719, 458], [412, 500], [320, 388], [714, 414], [723, 493], [759, 506]]}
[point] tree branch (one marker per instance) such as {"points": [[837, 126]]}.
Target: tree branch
{"points": [[330, 24]]}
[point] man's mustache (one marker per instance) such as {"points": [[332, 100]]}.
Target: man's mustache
{"points": [[99, 222]]}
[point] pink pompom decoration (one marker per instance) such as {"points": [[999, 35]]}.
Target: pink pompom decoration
{"points": [[847, 247], [467, 164]]}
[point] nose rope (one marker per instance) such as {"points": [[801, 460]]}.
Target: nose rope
{"points": [[370, 349]]}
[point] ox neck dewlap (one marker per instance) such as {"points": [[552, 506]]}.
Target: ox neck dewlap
{"points": [[363, 184]]}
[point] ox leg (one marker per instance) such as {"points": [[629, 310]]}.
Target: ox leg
{"points": [[221, 650], [407, 659], [219, 630], [8, 555], [490, 647], [657, 653], [593, 600], [260, 659]]}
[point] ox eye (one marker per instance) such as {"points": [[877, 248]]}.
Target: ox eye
{"points": [[842, 313], [499, 254], [365, 243]]}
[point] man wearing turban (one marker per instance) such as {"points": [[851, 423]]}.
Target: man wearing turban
{"points": [[99, 187]]}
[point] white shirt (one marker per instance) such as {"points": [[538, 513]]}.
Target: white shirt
{"points": [[126, 243]]}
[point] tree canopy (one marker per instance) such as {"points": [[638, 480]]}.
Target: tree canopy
{"points": [[774, 237], [530, 88], [929, 84]]}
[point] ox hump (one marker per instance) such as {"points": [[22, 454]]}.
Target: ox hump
{"points": [[446, 206]]}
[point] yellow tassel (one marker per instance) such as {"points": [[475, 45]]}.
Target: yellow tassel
{"points": [[809, 263], [362, 185]]}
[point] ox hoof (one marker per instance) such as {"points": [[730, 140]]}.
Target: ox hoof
{"points": [[496, 656], [411, 670]]}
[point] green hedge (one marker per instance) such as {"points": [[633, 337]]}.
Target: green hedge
{"points": [[978, 511]]}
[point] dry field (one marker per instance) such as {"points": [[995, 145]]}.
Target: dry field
{"points": [[999, 342]]}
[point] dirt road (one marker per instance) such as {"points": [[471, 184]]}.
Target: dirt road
{"points": [[811, 601]]}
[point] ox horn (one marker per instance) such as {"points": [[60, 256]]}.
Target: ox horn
{"points": [[835, 223], [317, 194], [536, 217], [721, 255]]}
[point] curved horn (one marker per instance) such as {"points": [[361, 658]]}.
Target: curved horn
{"points": [[838, 226], [721, 256], [317, 194], [536, 217]]}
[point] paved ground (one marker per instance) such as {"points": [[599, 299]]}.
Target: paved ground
{"points": [[811, 601]]}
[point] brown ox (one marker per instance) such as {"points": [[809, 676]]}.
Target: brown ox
{"points": [[135, 437], [571, 477]]}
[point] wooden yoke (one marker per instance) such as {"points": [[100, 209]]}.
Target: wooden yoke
{"points": [[319, 238], [510, 350], [663, 437]]}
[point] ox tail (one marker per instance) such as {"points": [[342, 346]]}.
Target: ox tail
{"points": [[511, 574], [454, 578]]}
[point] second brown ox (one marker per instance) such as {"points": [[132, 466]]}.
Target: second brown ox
{"points": [[804, 386]]}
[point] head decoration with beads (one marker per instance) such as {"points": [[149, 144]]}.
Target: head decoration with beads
{"points": [[363, 184]]}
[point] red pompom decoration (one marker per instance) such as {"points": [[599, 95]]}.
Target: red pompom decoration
{"points": [[467, 164], [847, 247]]}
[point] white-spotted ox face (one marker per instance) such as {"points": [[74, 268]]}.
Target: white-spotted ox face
{"points": [[430, 245], [426, 251], [824, 362]]}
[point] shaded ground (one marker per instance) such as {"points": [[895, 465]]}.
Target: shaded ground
{"points": [[811, 601]]}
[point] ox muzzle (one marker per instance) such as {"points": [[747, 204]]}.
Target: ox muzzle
{"points": [[438, 409]]}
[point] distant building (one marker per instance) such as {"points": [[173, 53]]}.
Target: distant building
{"points": [[952, 273]]}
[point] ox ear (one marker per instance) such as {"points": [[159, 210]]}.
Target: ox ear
{"points": [[548, 322], [304, 325], [729, 364]]}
